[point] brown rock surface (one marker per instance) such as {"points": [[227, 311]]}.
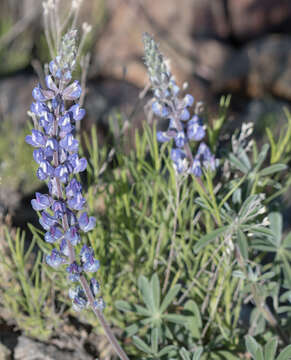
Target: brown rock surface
{"points": [[252, 18], [262, 66]]}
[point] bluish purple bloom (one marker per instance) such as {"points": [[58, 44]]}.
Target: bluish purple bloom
{"points": [[168, 103], [94, 287], [37, 94], [180, 139], [86, 223], [74, 271], [69, 143], [56, 154], [63, 172], [38, 155], [73, 91], [64, 247], [59, 209], [91, 265], [53, 235], [78, 297], [73, 187], [86, 253], [195, 129], [36, 139], [77, 202], [78, 164], [160, 110], [78, 113], [41, 202], [65, 124], [55, 259], [196, 168], [185, 115], [46, 220], [45, 170], [188, 100], [99, 304], [73, 236]]}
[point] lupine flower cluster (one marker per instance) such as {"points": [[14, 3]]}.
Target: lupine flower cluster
{"points": [[55, 112], [168, 104]]}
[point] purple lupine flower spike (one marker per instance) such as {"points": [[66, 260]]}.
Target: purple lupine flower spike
{"points": [[168, 104], [56, 152]]}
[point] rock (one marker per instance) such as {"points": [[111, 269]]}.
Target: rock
{"points": [[210, 19], [253, 18], [120, 47], [5, 353], [28, 349], [262, 66]]}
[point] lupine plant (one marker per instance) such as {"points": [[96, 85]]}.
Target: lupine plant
{"points": [[55, 113], [190, 250], [169, 104]]}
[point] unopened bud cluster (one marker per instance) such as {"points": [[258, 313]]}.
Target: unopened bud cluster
{"points": [[56, 110], [170, 105]]}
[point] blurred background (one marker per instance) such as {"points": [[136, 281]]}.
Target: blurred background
{"points": [[238, 47], [218, 47]]}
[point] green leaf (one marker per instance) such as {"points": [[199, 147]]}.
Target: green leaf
{"points": [[276, 226], [285, 354], [262, 156], [175, 318], [170, 297], [141, 345], [155, 340], [156, 291], [142, 310], [185, 354], [242, 244], [166, 350], [146, 292], [272, 169], [198, 353], [251, 345], [123, 305], [270, 349], [205, 240], [194, 322], [259, 353], [238, 164], [131, 330], [238, 274]]}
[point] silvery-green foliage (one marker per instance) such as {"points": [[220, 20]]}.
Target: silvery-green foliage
{"points": [[268, 351]]}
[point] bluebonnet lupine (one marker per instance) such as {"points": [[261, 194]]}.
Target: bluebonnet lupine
{"points": [[169, 105], [56, 111]]}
